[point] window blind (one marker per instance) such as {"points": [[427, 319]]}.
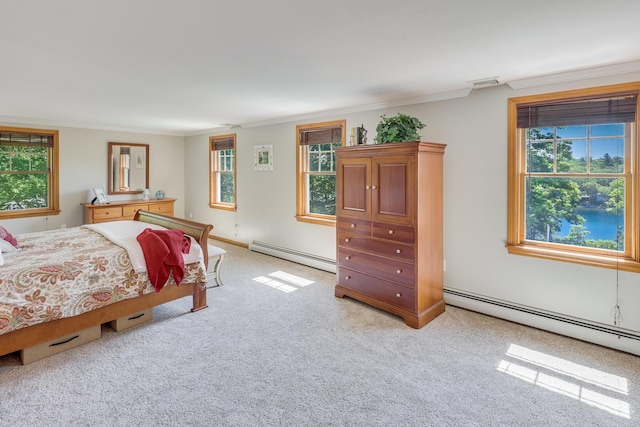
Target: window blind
{"points": [[620, 109], [222, 144], [321, 135], [26, 139]]}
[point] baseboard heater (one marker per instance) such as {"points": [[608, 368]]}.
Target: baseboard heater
{"points": [[299, 257], [598, 333]]}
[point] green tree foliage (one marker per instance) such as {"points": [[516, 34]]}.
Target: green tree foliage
{"points": [[23, 177]]}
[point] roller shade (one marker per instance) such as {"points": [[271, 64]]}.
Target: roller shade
{"points": [[620, 109]]}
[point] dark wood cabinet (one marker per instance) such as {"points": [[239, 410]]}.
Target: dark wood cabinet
{"points": [[389, 228]]}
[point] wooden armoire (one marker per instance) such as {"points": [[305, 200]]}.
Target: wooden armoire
{"points": [[389, 228]]}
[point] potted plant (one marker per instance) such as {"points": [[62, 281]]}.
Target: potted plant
{"points": [[399, 128]]}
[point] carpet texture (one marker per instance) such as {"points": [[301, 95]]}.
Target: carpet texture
{"points": [[276, 348]]}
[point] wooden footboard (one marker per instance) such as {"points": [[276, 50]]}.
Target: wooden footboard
{"points": [[36, 334]]}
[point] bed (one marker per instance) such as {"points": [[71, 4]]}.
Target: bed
{"points": [[79, 257]]}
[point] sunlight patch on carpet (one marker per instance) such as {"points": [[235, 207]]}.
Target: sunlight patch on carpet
{"points": [[287, 282], [590, 386]]}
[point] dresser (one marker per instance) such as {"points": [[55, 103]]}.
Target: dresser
{"points": [[116, 211], [389, 228]]}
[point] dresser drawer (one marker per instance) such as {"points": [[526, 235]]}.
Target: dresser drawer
{"points": [[397, 233], [111, 213], [129, 211], [356, 226], [377, 288], [385, 268], [397, 250], [162, 208]]}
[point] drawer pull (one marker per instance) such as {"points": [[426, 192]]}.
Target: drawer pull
{"points": [[373, 187], [367, 187], [346, 240], [347, 277], [347, 258], [390, 231], [398, 295], [398, 271], [353, 226], [398, 251]]}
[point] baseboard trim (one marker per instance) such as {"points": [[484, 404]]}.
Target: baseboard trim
{"points": [[598, 333]]}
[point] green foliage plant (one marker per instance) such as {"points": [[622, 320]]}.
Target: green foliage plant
{"points": [[399, 128]]}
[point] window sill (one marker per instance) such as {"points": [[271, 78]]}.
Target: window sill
{"points": [[25, 213], [223, 207], [603, 261], [330, 221]]}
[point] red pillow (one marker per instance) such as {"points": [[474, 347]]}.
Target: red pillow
{"points": [[5, 235]]}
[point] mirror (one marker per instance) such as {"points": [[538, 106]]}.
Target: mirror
{"points": [[128, 168]]}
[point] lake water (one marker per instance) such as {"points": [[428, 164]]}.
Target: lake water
{"points": [[602, 225]]}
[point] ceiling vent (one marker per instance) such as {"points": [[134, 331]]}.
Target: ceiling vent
{"points": [[486, 82]]}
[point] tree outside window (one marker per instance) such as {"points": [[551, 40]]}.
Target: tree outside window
{"points": [[571, 187], [316, 167], [28, 172], [222, 177]]}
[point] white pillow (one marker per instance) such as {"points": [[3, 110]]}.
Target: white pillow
{"points": [[6, 246]]}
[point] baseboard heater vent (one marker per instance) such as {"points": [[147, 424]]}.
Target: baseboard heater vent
{"points": [[554, 322], [310, 260]]}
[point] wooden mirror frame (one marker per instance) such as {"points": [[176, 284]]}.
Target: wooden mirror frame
{"points": [[111, 189]]}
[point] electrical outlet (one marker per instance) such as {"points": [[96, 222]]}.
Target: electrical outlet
{"points": [[190, 215]]}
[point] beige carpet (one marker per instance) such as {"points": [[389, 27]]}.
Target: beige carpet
{"points": [[276, 348]]}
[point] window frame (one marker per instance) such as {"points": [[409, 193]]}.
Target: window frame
{"points": [[302, 171], [215, 172], [53, 181], [629, 259]]}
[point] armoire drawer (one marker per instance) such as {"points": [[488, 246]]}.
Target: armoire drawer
{"points": [[385, 268], [397, 233], [397, 250], [382, 290], [356, 226]]}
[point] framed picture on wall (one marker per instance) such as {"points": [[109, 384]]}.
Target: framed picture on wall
{"points": [[263, 157], [101, 197]]}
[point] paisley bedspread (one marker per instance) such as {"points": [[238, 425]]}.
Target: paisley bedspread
{"points": [[66, 272]]}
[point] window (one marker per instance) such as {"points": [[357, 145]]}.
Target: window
{"points": [[28, 172], [316, 170], [222, 185], [573, 176]]}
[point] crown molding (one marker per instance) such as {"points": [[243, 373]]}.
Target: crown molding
{"points": [[582, 74]]}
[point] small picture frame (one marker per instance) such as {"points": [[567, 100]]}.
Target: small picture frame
{"points": [[101, 197], [263, 157]]}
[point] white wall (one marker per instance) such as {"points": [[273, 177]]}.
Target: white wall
{"points": [[83, 165], [475, 206]]}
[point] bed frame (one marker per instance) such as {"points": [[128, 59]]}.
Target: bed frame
{"points": [[36, 334]]}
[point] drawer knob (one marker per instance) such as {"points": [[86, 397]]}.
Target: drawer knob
{"points": [[373, 187], [346, 240], [390, 231], [398, 271], [347, 258], [367, 187], [398, 251], [398, 295], [353, 226], [347, 277]]}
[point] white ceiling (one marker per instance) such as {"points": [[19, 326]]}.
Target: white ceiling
{"points": [[184, 66]]}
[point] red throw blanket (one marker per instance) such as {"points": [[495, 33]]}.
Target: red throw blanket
{"points": [[163, 251]]}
